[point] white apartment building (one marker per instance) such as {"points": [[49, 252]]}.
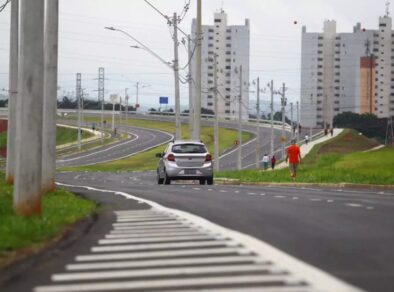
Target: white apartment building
{"points": [[336, 78], [230, 43]]}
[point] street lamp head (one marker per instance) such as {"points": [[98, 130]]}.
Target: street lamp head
{"points": [[109, 28], [135, 47]]}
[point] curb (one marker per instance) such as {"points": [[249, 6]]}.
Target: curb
{"points": [[328, 185]]}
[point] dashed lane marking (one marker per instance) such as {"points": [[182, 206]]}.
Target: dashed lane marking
{"points": [[353, 205]]}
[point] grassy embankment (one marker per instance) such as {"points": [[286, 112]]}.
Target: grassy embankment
{"points": [[63, 136], [340, 160], [59, 209], [147, 160]]}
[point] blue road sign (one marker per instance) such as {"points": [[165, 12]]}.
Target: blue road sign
{"points": [[163, 99]]}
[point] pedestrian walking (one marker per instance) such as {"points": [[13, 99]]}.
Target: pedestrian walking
{"points": [[332, 132], [273, 162], [325, 132], [293, 157], [266, 159], [306, 139]]}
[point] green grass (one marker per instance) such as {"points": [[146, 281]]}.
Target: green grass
{"points": [[3, 139], [59, 210], [63, 136], [147, 160], [339, 160], [66, 135]]}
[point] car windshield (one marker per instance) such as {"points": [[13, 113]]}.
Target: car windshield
{"points": [[188, 148]]}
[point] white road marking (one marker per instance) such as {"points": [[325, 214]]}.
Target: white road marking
{"points": [[197, 189], [370, 208], [295, 198], [164, 283], [156, 239], [143, 231], [237, 192], [185, 271], [153, 246], [223, 191], [154, 235], [262, 194], [315, 200], [164, 263], [330, 201], [142, 219], [162, 254], [314, 276], [156, 227], [149, 223], [251, 193], [353, 205], [280, 197]]}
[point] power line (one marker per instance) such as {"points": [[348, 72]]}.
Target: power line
{"points": [[2, 7]]}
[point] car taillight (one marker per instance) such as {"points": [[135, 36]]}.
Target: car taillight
{"points": [[208, 157], [171, 157]]}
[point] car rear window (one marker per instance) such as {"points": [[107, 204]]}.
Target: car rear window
{"points": [[189, 148]]}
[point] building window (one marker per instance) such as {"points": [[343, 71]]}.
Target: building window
{"points": [[382, 24], [228, 45], [228, 67], [210, 96], [228, 30], [228, 53], [228, 96], [210, 104], [210, 81], [218, 20], [228, 89], [210, 38], [227, 111], [228, 38], [210, 30]]}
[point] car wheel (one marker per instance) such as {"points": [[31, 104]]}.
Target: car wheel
{"points": [[202, 181], [167, 180], [210, 180]]}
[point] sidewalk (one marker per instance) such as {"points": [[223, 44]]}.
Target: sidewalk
{"points": [[306, 148]]}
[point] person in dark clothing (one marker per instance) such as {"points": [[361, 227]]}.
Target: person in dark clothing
{"points": [[273, 162]]}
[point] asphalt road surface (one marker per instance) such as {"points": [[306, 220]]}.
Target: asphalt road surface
{"points": [[348, 233]]}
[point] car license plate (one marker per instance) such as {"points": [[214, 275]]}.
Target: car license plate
{"points": [[190, 171]]}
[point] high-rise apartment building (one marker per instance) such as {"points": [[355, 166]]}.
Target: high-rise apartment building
{"points": [[343, 72], [230, 43]]}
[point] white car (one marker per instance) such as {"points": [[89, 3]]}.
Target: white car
{"points": [[185, 160]]}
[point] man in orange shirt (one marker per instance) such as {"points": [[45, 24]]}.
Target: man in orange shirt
{"points": [[294, 158]]}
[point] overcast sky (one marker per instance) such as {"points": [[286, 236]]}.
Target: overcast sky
{"points": [[275, 40]]}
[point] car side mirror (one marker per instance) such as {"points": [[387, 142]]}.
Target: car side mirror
{"points": [[159, 155]]}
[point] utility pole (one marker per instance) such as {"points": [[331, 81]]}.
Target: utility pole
{"points": [[271, 86], [239, 161], [389, 141], [137, 86], [191, 102], [258, 142], [79, 103], [216, 123], [113, 113], [197, 102], [178, 130], [298, 121], [50, 96], [291, 120], [120, 109], [101, 93], [13, 91], [28, 143], [127, 104], [284, 101]]}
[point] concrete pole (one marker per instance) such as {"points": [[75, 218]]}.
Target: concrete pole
{"points": [[120, 110], [283, 119], [78, 92], [191, 102], [113, 116], [27, 186], [127, 104], [50, 96], [197, 102], [136, 98], [216, 122], [258, 142], [13, 89], [272, 117], [178, 130], [291, 120], [239, 160], [298, 121]]}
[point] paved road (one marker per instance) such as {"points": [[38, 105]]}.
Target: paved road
{"points": [[347, 233], [140, 140]]}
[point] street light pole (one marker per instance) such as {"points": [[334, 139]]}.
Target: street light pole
{"points": [[13, 91], [78, 92], [197, 103], [239, 160], [216, 122], [258, 143], [271, 86], [191, 101], [178, 130], [283, 118], [127, 104], [28, 143]]}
